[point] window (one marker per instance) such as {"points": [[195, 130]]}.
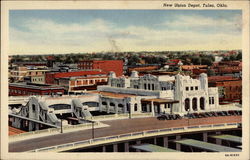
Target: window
{"points": [[145, 86], [187, 88], [163, 88], [33, 107], [153, 87], [196, 87], [148, 86], [192, 88], [136, 107]]}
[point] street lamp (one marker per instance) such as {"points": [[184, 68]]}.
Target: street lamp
{"points": [[61, 117], [61, 125], [188, 116], [93, 130]]}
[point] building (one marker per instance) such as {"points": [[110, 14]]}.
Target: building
{"points": [[26, 89], [103, 65], [159, 94], [20, 73], [54, 77], [82, 83], [230, 88]]}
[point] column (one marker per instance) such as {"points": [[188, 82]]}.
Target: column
{"points": [[178, 146], [37, 126], [116, 108], [152, 108], [147, 106], [205, 137], [31, 126], [218, 141], [115, 147], [103, 148], [126, 146], [137, 143], [155, 141], [191, 104], [165, 142], [198, 104]]}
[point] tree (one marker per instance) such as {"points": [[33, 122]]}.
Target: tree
{"points": [[133, 60]]}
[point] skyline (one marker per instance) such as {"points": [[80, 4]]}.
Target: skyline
{"points": [[74, 31]]}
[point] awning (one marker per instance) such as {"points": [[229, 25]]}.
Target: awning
{"points": [[159, 101], [228, 138], [152, 148], [207, 146]]}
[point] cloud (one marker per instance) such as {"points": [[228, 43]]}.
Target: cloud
{"points": [[205, 23], [47, 36]]}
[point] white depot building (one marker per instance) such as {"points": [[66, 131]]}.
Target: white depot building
{"points": [[159, 94]]}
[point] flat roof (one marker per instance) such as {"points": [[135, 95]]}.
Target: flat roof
{"points": [[228, 138], [160, 100], [207, 146], [153, 148], [35, 86], [113, 95]]}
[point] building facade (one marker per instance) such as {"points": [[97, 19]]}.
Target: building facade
{"points": [[103, 65], [27, 89], [192, 95]]}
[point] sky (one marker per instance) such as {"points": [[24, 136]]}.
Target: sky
{"points": [[79, 31]]}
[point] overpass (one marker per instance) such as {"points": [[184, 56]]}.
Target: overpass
{"points": [[123, 131]]}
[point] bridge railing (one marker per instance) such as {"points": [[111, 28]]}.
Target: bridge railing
{"points": [[124, 115], [39, 133], [122, 137]]}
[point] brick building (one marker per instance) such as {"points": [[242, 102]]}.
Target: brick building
{"points": [[103, 65], [230, 88], [25, 89], [83, 83], [53, 77]]}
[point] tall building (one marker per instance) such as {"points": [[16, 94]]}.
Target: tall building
{"points": [[103, 65]]}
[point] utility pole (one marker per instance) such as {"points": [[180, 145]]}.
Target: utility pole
{"points": [[61, 125], [93, 130]]}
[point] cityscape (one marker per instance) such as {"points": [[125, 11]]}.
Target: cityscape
{"points": [[111, 98]]}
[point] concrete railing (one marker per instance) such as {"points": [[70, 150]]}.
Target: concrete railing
{"points": [[44, 132], [129, 136], [124, 115]]}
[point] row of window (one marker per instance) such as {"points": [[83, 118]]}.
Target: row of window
{"points": [[211, 100], [23, 92], [192, 88], [37, 79]]}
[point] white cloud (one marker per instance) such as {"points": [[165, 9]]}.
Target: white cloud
{"points": [[46, 36]]}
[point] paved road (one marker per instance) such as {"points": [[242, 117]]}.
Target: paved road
{"points": [[116, 127]]}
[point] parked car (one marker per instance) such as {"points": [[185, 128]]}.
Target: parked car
{"points": [[162, 117]]}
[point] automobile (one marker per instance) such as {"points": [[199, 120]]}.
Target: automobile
{"points": [[220, 113], [209, 114], [231, 112], [203, 115], [162, 117], [226, 113], [171, 117], [240, 112], [197, 115], [178, 116], [214, 114]]}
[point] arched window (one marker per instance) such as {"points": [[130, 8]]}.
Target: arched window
{"points": [[202, 103], [194, 104], [136, 107], [187, 104], [112, 104]]}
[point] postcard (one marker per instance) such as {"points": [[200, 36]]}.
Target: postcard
{"points": [[125, 79]]}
